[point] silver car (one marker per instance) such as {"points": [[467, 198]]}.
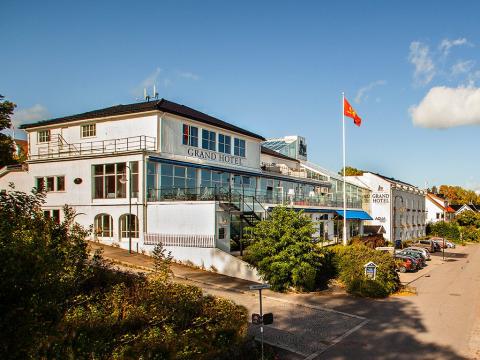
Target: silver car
{"points": [[422, 251]]}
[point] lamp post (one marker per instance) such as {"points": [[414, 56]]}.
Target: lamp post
{"points": [[124, 181], [395, 215]]}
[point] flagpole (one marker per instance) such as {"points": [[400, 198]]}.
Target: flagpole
{"points": [[344, 187]]}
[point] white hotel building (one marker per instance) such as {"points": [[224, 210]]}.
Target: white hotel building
{"points": [[396, 205], [187, 179]]}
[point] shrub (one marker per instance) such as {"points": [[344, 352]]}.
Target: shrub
{"points": [[348, 263], [283, 252], [448, 230], [58, 303]]}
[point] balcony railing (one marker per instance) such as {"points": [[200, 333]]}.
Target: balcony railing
{"points": [[59, 148], [245, 195]]}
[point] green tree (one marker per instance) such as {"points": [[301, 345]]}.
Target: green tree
{"points": [[42, 263], [351, 171], [6, 143], [458, 195], [283, 252]]}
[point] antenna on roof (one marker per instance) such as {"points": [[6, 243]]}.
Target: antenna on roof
{"points": [[147, 97], [155, 93]]}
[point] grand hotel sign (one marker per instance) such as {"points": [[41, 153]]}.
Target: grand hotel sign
{"points": [[212, 155]]}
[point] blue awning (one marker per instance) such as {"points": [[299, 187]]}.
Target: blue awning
{"points": [[355, 214]]}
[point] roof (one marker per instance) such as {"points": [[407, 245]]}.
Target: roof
{"points": [[391, 179], [268, 151], [157, 105]]}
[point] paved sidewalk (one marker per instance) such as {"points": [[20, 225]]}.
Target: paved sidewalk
{"points": [[303, 330]]}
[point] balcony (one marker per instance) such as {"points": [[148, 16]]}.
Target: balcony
{"points": [[247, 195], [59, 148]]}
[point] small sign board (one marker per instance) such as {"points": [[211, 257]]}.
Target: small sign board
{"points": [[370, 270], [259, 287], [256, 319], [267, 319]]}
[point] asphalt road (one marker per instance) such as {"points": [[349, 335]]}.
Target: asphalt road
{"points": [[441, 322]]}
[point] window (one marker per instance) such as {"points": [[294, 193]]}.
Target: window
{"points": [[103, 225], [221, 233], [40, 183], [239, 147], [224, 144], [53, 215], [43, 136], [110, 181], [208, 140], [50, 183], [215, 179], [134, 169], [125, 221], [60, 183], [88, 130], [190, 135]]}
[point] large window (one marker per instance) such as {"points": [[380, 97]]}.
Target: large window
{"points": [[190, 135], [110, 181], [88, 130], [128, 222], [208, 140], [173, 176], [50, 183], [224, 144], [43, 136], [103, 225], [134, 169], [217, 179], [239, 147]]}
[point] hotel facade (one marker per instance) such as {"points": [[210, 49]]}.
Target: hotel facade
{"points": [[160, 172], [396, 205]]}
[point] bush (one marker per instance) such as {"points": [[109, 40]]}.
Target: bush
{"points": [[448, 230], [58, 303], [283, 252], [348, 263]]}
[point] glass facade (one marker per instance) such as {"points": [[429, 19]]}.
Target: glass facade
{"points": [[175, 182]]}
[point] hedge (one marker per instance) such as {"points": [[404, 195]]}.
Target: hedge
{"points": [[348, 265]]}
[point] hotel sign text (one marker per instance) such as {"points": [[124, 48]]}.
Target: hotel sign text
{"points": [[212, 155]]}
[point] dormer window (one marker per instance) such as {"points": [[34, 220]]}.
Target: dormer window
{"points": [[43, 136], [88, 130]]}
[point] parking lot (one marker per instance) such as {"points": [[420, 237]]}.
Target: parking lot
{"points": [[437, 259]]}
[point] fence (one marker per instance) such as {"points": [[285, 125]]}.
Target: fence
{"points": [[181, 240]]}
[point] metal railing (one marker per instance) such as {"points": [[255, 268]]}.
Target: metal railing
{"points": [[180, 240], [246, 199], [59, 148]]}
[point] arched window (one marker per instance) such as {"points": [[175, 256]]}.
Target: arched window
{"points": [[103, 225], [124, 226]]}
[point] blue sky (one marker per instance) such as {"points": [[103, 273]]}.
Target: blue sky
{"points": [[273, 67]]}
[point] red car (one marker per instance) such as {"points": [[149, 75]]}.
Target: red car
{"points": [[405, 264]]}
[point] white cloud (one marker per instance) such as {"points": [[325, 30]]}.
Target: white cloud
{"points": [[447, 44], [362, 93], [445, 107], [188, 75], [424, 67], [35, 113], [462, 67]]}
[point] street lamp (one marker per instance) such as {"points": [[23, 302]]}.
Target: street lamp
{"points": [[123, 180]]}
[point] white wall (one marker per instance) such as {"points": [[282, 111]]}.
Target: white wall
{"points": [[118, 128], [432, 211], [181, 218], [171, 143]]}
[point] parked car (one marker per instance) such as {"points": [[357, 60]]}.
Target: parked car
{"points": [[426, 244], [450, 244], [415, 262], [415, 254], [405, 264], [423, 251], [439, 242]]}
